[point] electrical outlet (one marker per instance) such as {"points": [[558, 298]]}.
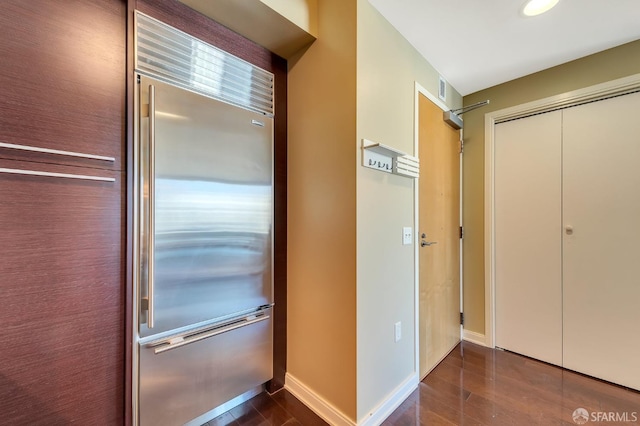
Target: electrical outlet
{"points": [[398, 331], [407, 236]]}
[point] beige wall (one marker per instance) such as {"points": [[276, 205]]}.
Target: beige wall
{"points": [[350, 278], [303, 13], [282, 26], [604, 66], [388, 67], [321, 269]]}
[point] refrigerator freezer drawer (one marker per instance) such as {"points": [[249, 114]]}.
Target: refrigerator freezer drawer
{"points": [[188, 377]]}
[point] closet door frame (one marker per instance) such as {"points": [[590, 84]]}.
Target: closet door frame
{"points": [[589, 94]]}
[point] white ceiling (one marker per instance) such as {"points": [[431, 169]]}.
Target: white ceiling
{"points": [[476, 44]]}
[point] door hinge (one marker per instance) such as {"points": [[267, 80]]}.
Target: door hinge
{"points": [[460, 146], [461, 232], [461, 318]]}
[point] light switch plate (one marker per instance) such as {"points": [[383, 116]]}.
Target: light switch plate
{"points": [[407, 236]]}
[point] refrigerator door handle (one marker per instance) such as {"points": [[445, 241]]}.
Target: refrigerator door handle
{"points": [[178, 341], [152, 205]]}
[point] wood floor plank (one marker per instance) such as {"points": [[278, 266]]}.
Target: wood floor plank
{"points": [[297, 409], [271, 410], [278, 409]]}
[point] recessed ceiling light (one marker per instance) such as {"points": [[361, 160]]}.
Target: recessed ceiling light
{"points": [[536, 7]]}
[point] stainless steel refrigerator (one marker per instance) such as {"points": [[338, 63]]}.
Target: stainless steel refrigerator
{"points": [[204, 210]]}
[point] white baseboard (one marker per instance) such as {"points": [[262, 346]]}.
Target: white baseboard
{"points": [[393, 401], [473, 337], [317, 404], [335, 417]]}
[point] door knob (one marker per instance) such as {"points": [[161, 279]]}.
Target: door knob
{"points": [[424, 243]]}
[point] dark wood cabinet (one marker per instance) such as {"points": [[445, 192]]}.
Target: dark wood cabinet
{"points": [[61, 297], [62, 239], [63, 79]]}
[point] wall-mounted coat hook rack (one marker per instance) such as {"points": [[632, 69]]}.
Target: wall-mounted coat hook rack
{"points": [[390, 160]]}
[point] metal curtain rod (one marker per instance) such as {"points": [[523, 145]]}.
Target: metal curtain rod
{"points": [[468, 108]]}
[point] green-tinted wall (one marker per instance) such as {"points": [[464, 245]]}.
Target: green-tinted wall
{"points": [[608, 65]]}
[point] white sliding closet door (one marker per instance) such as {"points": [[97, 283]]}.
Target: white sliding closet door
{"points": [[601, 241], [528, 236]]}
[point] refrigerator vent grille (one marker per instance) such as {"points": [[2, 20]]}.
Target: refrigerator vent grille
{"points": [[178, 58]]}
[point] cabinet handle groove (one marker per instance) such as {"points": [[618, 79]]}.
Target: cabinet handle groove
{"points": [[56, 175], [55, 151]]}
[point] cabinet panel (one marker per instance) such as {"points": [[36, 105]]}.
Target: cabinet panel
{"points": [[528, 239], [61, 293], [601, 252], [62, 79]]}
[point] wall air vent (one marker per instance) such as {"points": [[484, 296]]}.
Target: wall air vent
{"points": [[171, 55], [442, 88]]}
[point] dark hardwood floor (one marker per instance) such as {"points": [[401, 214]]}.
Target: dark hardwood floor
{"points": [[474, 385], [280, 408]]}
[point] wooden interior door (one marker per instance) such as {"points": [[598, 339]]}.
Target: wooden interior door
{"points": [[439, 218], [601, 197], [528, 242]]}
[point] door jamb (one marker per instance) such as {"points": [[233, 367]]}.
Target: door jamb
{"points": [[593, 93]]}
